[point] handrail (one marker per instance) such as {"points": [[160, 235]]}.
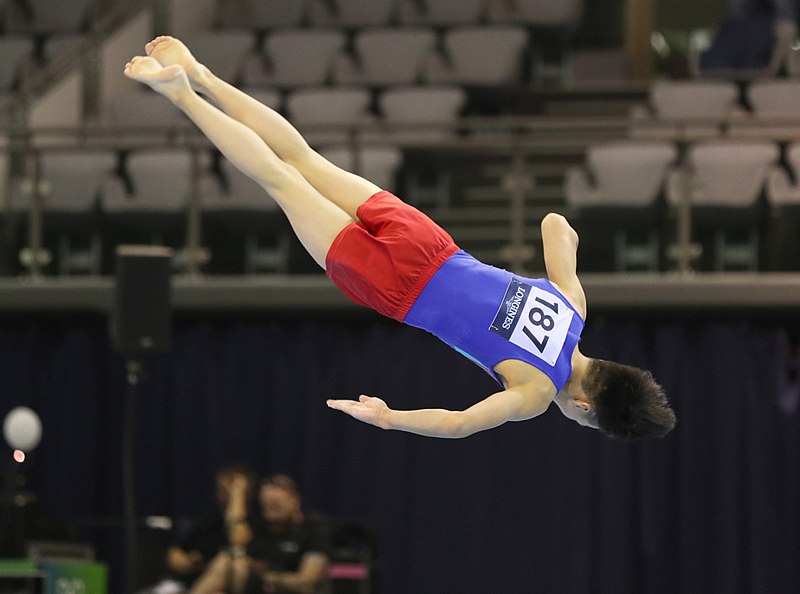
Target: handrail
{"points": [[523, 128], [514, 136]]}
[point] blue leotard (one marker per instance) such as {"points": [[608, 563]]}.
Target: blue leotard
{"points": [[491, 315]]}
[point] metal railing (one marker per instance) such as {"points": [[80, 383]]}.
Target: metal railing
{"points": [[517, 139]]}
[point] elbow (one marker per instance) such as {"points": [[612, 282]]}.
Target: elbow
{"points": [[458, 426], [554, 220], [555, 225]]}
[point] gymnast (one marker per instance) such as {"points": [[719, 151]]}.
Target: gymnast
{"points": [[386, 255]]}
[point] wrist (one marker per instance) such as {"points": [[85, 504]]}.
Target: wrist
{"points": [[386, 419]]}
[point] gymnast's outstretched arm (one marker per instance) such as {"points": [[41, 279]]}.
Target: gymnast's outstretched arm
{"points": [[517, 404]]}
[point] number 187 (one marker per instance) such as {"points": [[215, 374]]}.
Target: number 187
{"points": [[539, 318]]}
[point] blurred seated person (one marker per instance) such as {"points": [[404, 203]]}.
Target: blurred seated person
{"points": [[283, 552], [755, 35], [216, 531]]}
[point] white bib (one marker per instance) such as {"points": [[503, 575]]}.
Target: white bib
{"points": [[533, 319]]}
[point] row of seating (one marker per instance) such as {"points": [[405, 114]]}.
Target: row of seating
{"points": [[46, 17], [633, 186], [260, 15], [147, 194], [725, 183], [162, 180], [292, 58], [419, 114], [52, 16], [384, 50], [693, 109], [480, 55]]}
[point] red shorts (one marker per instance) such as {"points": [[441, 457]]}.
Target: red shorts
{"points": [[386, 258]]}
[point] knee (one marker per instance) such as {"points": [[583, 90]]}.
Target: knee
{"points": [[278, 175]]}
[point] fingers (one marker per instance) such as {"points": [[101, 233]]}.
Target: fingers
{"points": [[340, 404], [354, 408], [345, 404]]}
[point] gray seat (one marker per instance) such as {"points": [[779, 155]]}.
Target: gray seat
{"points": [[354, 13], [421, 114], [71, 184], [143, 116], [775, 103], [416, 117], [783, 197], [328, 115], [48, 16], [615, 195], [783, 189], [243, 208], [162, 183], [379, 164], [484, 56], [441, 12], [548, 13], [224, 52], [387, 56], [296, 58], [261, 15], [622, 173], [728, 177], [687, 109]]}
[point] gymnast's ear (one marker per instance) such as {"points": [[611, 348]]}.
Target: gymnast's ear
{"points": [[583, 404]]}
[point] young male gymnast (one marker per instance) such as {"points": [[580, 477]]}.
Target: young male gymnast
{"points": [[388, 256]]}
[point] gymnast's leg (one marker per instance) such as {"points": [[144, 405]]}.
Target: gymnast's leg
{"points": [[345, 189], [315, 219]]}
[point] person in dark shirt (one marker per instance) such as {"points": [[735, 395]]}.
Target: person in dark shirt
{"points": [[189, 558], [286, 551]]}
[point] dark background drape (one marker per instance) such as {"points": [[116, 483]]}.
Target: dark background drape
{"points": [[540, 506]]}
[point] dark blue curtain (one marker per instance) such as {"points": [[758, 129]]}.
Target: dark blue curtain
{"points": [[541, 506]]}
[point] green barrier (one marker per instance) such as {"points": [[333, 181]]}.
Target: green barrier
{"points": [[15, 567], [75, 577]]}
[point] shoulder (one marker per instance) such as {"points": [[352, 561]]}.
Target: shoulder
{"points": [[573, 291], [526, 379]]}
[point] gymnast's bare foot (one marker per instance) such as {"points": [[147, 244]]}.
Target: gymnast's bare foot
{"points": [[169, 51], [170, 81]]}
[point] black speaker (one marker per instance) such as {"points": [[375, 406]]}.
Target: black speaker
{"points": [[142, 313]]}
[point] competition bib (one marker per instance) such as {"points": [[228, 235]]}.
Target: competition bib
{"points": [[533, 319]]}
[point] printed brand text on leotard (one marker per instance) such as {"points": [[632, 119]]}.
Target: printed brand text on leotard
{"points": [[533, 319]]}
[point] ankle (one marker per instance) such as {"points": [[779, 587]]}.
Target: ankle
{"points": [[202, 77], [180, 97]]}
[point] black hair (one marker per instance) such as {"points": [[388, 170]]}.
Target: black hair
{"points": [[628, 402]]}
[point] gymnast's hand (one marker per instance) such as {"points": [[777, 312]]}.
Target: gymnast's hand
{"points": [[367, 408]]}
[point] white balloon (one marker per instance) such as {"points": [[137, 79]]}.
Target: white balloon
{"points": [[22, 429]]}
